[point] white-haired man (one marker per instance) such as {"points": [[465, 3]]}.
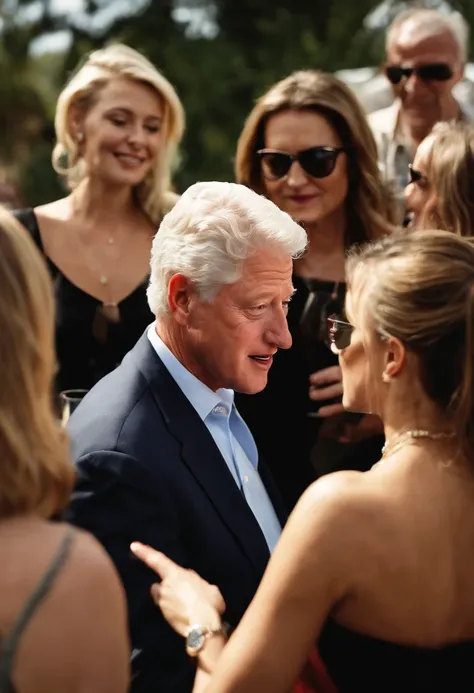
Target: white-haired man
{"points": [[162, 455], [426, 52]]}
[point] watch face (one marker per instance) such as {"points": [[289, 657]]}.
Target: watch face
{"points": [[194, 640]]}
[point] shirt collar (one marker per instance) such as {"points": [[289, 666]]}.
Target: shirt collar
{"points": [[199, 395]]}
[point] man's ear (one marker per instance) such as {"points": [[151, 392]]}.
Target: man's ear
{"points": [[181, 295], [395, 358]]}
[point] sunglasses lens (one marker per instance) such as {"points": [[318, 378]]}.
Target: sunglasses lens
{"points": [[394, 74], [413, 175], [318, 162], [439, 72], [339, 333], [275, 165]]}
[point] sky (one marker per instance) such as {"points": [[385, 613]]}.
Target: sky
{"points": [[199, 23]]}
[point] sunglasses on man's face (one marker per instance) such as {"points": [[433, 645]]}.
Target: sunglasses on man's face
{"points": [[317, 162], [340, 332], [430, 72]]}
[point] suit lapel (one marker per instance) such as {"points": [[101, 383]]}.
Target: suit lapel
{"points": [[203, 458]]}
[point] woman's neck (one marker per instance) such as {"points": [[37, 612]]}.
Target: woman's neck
{"points": [[98, 204], [324, 258], [418, 415]]}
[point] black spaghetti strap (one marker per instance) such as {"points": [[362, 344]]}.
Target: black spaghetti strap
{"points": [[27, 218], [10, 644]]}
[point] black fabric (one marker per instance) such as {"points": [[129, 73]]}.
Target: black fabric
{"points": [[149, 470], [359, 663], [82, 359], [9, 646]]}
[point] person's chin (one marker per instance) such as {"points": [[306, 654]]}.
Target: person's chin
{"points": [[252, 386]]}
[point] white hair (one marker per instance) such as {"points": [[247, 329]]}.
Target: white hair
{"points": [[425, 22], [213, 228]]}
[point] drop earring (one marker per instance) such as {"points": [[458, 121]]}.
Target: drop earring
{"points": [[385, 377]]}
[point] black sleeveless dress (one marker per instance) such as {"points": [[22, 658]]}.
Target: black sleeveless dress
{"points": [[361, 664], [85, 354]]}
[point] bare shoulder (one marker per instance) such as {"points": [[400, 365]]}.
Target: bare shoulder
{"points": [[90, 564], [57, 211], [339, 504]]}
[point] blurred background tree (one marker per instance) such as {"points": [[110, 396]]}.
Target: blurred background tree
{"points": [[220, 55]]}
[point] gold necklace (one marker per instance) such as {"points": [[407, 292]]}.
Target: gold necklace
{"points": [[395, 442]]}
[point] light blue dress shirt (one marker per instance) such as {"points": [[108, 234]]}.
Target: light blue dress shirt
{"points": [[231, 435]]}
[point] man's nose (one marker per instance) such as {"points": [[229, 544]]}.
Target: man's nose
{"points": [[278, 333], [413, 83]]}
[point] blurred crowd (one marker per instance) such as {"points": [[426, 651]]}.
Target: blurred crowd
{"points": [[237, 424]]}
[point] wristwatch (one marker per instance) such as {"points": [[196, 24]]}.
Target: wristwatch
{"points": [[197, 636]]}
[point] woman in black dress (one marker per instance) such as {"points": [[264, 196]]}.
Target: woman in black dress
{"points": [[377, 568], [307, 146], [118, 123]]}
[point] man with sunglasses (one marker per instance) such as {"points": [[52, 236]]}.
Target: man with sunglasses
{"points": [[426, 54]]}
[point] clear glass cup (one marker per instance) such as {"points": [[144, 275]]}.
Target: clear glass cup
{"points": [[69, 400]]}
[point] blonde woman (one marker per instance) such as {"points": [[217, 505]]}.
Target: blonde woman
{"points": [[62, 608], [377, 567], [306, 145], [441, 189], [118, 123]]}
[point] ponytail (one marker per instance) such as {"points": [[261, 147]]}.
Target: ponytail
{"points": [[463, 404]]}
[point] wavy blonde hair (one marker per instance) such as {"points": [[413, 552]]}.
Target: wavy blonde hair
{"points": [[36, 475], [371, 210], [154, 193], [451, 179]]}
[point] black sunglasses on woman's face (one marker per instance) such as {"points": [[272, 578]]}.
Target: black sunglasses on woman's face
{"points": [[436, 72], [415, 176], [340, 332], [317, 162]]}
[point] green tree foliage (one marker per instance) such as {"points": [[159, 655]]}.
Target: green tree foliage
{"points": [[220, 55]]}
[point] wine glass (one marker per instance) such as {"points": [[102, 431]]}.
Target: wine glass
{"points": [[69, 400]]}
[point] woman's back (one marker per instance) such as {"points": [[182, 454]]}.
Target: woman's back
{"points": [[76, 638], [409, 619]]}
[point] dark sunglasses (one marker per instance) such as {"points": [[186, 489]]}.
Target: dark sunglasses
{"points": [[317, 162], [415, 176], [339, 332], [438, 72]]}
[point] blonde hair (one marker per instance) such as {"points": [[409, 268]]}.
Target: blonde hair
{"points": [[36, 475], [371, 210], [451, 179], [419, 288], [154, 193]]}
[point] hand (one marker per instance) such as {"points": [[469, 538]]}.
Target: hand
{"points": [[327, 384], [183, 597]]}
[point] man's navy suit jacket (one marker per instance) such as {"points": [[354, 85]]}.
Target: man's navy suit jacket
{"points": [[148, 470]]}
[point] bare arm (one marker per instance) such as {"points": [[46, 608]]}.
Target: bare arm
{"points": [[307, 575]]}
